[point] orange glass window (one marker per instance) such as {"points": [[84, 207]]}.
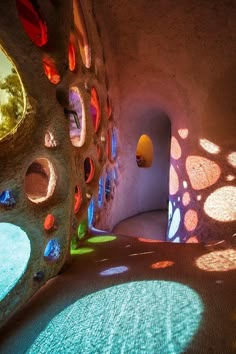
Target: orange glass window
{"points": [[72, 53], [95, 109], [32, 21], [78, 199], [89, 169], [50, 70]]}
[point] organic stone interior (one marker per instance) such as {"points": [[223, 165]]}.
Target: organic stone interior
{"points": [[111, 109]]}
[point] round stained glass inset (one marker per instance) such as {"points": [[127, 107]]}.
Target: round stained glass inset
{"points": [[50, 70], [52, 251]]}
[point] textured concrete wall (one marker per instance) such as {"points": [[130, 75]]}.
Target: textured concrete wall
{"points": [[178, 59]]}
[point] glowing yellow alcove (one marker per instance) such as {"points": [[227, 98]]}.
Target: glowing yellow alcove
{"points": [[144, 151]]}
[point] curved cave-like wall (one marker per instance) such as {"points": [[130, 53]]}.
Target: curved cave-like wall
{"points": [[179, 59]]}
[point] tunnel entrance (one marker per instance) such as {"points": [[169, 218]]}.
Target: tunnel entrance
{"points": [[146, 211]]}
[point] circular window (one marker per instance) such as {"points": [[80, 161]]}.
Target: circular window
{"points": [[89, 170], [76, 117], [32, 21], [40, 180], [12, 96], [95, 109], [144, 151]]}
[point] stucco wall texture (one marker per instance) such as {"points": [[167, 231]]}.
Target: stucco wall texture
{"points": [[174, 61]]}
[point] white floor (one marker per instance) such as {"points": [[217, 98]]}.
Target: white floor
{"points": [[151, 224]]}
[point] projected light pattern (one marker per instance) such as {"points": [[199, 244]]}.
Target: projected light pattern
{"points": [[174, 225], [14, 256], [220, 261], [190, 220], [174, 181], [202, 172], [81, 250], [101, 239], [175, 149], [232, 159], [221, 204], [162, 264], [183, 133], [209, 146], [114, 270], [138, 317]]}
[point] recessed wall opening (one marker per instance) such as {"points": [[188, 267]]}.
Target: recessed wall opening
{"points": [[144, 151], [145, 180], [40, 180]]}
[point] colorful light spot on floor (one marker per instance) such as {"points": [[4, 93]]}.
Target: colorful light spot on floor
{"points": [[81, 250], [14, 256], [202, 172], [190, 220], [101, 239], [138, 317], [209, 146], [162, 264], [174, 181], [175, 149], [218, 261], [192, 239], [221, 204], [148, 240], [114, 270]]}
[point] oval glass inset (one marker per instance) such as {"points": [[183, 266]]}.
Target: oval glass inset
{"points": [[50, 70], [40, 180], [76, 117], [89, 169], [14, 256], [100, 192], [144, 151], [72, 53], [91, 212], [32, 21], [81, 32], [13, 100], [108, 186], [95, 110], [52, 251], [78, 199]]}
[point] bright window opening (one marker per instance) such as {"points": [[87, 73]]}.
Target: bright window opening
{"points": [[12, 95], [144, 151], [32, 21], [40, 180], [76, 116]]}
